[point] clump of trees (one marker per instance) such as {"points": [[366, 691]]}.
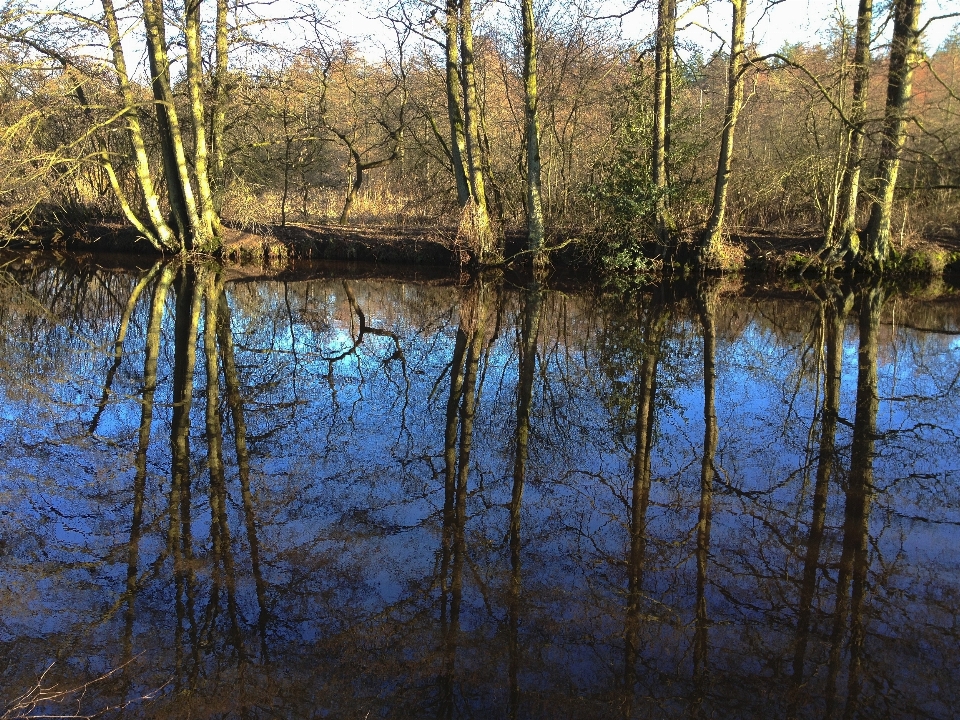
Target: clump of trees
{"points": [[535, 118]]}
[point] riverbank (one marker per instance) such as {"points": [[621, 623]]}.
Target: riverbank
{"points": [[757, 253]]}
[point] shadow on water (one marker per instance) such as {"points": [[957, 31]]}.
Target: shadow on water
{"points": [[353, 497]]}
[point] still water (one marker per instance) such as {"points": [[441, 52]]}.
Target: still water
{"points": [[349, 496]]}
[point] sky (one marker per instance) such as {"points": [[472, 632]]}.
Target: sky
{"points": [[788, 21]]}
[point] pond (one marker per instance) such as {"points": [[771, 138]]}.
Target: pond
{"points": [[332, 493]]}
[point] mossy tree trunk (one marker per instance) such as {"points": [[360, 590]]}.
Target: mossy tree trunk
{"points": [[711, 240], [664, 224], [903, 51], [467, 153], [843, 239], [535, 232], [193, 222]]}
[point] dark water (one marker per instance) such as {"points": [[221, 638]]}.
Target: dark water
{"points": [[358, 498]]}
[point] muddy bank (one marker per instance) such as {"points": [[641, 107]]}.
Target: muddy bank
{"points": [[758, 253]]}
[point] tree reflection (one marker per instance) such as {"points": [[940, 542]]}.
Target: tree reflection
{"points": [[458, 444], [854, 561], [531, 303], [150, 358], [836, 307], [474, 528], [652, 320], [200, 301], [706, 299]]}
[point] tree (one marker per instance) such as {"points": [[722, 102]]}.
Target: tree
{"points": [[903, 58], [844, 240], [193, 222], [364, 105], [532, 135], [710, 242], [196, 222], [466, 149], [664, 224]]}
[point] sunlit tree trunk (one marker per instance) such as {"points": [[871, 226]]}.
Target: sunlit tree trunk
{"points": [[665, 226], [711, 240], [532, 136], [218, 115], [176, 172], [903, 51], [483, 237], [209, 228], [458, 140], [844, 240], [162, 234]]}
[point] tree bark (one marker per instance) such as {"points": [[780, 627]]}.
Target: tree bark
{"points": [[483, 237], [665, 226], [845, 240], [458, 141], [209, 227], [903, 52], [164, 234], [535, 232], [710, 243], [183, 205], [218, 115]]}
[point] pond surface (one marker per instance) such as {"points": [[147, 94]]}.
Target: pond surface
{"points": [[358, 497]]}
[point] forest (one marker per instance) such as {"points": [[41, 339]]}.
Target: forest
{"points": [[191, 123]]}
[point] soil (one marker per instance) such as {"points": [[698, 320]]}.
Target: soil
{"points": [[438, 246]]}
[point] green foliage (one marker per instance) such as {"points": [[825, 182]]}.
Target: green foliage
{"points": [[623, 194]]}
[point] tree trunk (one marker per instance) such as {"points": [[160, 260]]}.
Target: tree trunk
{"points": [[710, 243], [665, 226], [484, 239], [353, 187], [899, 85], [844, 240], [532, 132], [163, 233], [209, 228], [183, 205], [458, 142], [218, 118]]}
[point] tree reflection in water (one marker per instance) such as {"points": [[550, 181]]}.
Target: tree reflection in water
{"points": [[413, 498]]}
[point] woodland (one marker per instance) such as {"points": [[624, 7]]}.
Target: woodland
{"points": [[191, 123]]}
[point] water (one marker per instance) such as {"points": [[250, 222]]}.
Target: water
{"points": [[353, 496]]}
